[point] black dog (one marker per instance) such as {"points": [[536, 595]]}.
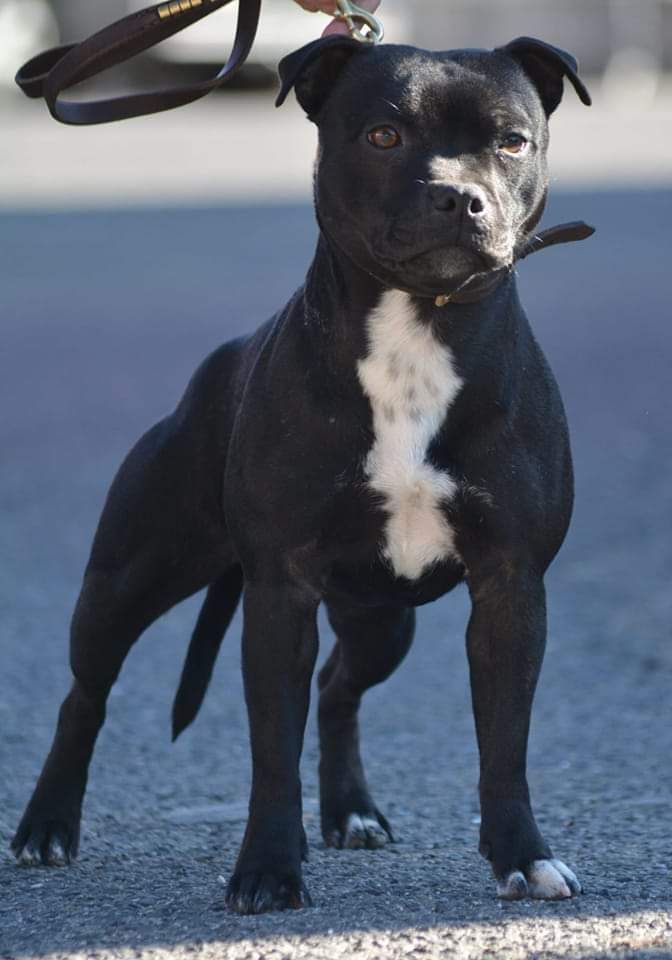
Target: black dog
{"points": [[393, 431]]}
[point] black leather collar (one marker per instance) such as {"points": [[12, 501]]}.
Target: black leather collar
{"points": [[482, 285]]}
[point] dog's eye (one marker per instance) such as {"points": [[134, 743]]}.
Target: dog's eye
{"points": [[383, 138], [514, 143]]}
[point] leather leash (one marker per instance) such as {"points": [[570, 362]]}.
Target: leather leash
{"points": [[56, 70]]}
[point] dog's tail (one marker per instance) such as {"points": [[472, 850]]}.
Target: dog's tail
{"points": [[216, 614]]}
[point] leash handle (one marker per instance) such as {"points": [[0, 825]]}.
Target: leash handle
{"points": [[56, 70]]}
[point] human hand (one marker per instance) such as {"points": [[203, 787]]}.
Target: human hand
{"points": [[329, 6]]}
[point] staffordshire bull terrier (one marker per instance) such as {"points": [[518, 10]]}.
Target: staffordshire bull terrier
{"points": [[392, 432]]}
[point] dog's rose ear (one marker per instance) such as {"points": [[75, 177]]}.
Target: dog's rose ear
{"points": [[313, 70], [546, 66]]}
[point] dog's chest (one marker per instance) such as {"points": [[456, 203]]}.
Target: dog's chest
{"points": [[410, 381]]}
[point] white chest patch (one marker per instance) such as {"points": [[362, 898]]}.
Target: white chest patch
{"points": [[411, 382]]}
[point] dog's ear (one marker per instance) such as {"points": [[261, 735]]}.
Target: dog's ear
{"points": [[313, 70], [546, 66]]}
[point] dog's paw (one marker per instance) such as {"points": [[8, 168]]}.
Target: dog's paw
{"points": [[541, 880], [360, 831], [49, 844], [263, 892]]}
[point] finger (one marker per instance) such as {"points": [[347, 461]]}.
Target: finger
{"points": [[336, 26], [326, 6]]}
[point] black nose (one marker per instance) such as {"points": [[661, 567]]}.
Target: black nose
{"points": [[467, 200]]}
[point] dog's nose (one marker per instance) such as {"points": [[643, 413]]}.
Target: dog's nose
{"points": [[466, 200]]}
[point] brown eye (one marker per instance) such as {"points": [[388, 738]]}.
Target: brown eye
{"points": [[383, 138], [514, 143]]}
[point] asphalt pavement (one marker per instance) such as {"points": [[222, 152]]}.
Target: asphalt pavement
{"points": [[104, 315]]}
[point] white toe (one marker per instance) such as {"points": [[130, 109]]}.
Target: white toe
{"points": [[548, 881], [375, 835], [355, 834], [514, 887], [29, 857], [56, 855], [570, 877], [363, 832]]}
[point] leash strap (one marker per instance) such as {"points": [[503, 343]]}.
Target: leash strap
{"points": [[56, 70]]}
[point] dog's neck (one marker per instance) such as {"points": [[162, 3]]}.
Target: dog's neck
{"points": [[339, 296], [350, 291]]}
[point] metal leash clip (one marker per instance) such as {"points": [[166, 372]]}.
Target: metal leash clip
{"points": [[363, 26]]}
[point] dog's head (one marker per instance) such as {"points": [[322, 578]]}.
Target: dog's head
{"points": [[431, 166]]}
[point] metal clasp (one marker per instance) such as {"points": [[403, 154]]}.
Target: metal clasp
{"points": [[363, 26]]}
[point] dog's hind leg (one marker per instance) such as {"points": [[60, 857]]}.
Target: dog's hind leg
{"points": [[371, 643], [150, 552]]}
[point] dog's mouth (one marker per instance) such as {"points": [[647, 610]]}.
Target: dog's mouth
{"points": [[440, 270]]}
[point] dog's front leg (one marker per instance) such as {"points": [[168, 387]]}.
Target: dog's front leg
{"points": [[505, 643], [279, 651]]}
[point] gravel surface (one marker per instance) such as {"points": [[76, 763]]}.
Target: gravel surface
{"points": [[104, 317]]}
